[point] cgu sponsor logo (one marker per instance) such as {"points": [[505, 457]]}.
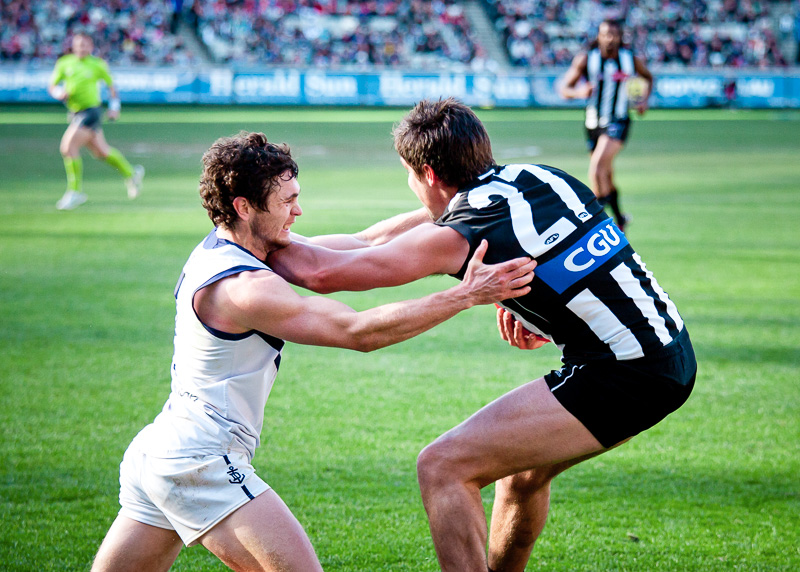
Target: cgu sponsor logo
{"points": [[598, 246], [588, 253]]}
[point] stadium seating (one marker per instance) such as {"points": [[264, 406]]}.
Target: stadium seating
{"points": [[416, 34], [124, 31], [378, 33], [680, 33]]}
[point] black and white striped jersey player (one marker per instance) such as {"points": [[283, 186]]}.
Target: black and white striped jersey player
{"points": [[605, 76], [627, 358]]}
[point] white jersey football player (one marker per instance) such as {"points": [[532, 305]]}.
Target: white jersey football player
{"points": [[627, 358], [188, 477]]}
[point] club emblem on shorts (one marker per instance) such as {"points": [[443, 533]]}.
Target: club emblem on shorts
{"points": [[236, 478]]}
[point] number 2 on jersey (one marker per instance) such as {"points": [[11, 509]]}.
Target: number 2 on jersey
{"points": [[534, 243]]}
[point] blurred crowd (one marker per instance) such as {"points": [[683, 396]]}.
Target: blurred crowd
{"points": [[414, 34], [341, 33], [680, 33], [124, 31]]}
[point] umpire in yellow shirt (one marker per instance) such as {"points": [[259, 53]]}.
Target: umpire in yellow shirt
{"points": [[75, 82]]}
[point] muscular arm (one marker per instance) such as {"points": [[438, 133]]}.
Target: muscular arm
{"points": [[425, 250], [263, 301], [569, 86], [379, 233]]}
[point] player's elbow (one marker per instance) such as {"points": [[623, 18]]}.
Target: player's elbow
{"points": [[321, 281], [365, 340]]}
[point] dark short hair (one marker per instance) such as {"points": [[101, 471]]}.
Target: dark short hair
{"points": [[245, 165], [448, 136], [612, 22]]}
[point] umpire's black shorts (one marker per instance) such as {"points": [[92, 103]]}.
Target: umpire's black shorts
{"points": [[91, 118], [615, 400]]}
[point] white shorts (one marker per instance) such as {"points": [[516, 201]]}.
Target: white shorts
{"points": [[188, 495]]}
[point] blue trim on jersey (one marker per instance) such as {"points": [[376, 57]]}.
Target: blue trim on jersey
{"points": [[585, 256], [213, 241], [276, 343]]}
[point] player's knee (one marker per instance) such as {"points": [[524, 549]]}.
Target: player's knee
{"points": [[434, 466]]}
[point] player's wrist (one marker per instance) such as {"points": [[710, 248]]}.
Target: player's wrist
{"points": [[463, 296], [114, 104]]}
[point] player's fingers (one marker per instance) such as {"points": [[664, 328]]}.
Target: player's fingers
{"points": [[521, 281], [480, 252], [501, 323], [521, 265], [517, 292], [508, 326]]}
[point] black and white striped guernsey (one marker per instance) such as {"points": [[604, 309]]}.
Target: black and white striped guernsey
{"points": [[592, 295], [609, 100]]}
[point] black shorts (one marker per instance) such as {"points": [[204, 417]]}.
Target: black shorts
{"points": [[91, 118], [616, 130], [619, 399]]}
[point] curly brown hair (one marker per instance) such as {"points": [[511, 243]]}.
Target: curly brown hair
{"points": [[448, 136], [244, 165]]}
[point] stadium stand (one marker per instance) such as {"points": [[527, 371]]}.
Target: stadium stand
{"points": [[125, 31], [377, 33], [411, 34], [676, 33]]}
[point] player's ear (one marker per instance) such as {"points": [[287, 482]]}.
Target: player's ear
{"points": [[243, 207], [429, 174]]}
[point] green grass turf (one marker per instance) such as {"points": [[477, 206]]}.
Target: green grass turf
{"points": [[86, 316]]}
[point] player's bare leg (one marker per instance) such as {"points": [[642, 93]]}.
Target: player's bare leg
{"points": [[72, 141], [98, 145], [75, 138], [133, 174], [262, 535], [525, 429], [519, 513], [132, 546], [601, 165]]}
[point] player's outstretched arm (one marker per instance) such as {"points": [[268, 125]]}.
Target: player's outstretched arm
{"points": [[429, 249], [379, 233], [263, 301]]}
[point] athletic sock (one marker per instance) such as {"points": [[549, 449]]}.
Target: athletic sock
{"points": [[74, 168], [613, 200], [119, 162]]}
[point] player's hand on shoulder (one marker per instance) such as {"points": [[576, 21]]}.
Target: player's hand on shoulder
{"points": [[515, 333], [488, 283]]}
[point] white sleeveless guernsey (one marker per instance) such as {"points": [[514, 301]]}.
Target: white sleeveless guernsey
{"points": [[220, 381]]}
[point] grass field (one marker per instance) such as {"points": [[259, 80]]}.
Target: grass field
{"points": [[86, 318]]}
